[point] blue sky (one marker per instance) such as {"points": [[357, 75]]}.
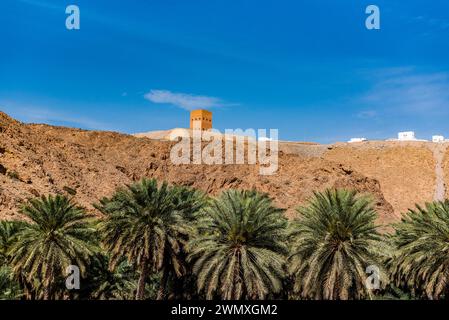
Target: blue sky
{"points": [[308, 68]]}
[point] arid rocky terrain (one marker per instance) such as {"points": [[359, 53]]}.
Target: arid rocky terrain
{"points": [[88, 165], [405, 170]]}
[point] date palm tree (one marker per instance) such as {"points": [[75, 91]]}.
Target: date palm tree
{"points": [[59, 234], [9, 287], [333, 242], [8, 229], [189, 202], [240, 250], [421, 256], [105, 284], [142, 223]]}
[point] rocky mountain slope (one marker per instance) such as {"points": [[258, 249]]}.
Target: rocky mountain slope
{"points": [[41, 159], [406, 171]]}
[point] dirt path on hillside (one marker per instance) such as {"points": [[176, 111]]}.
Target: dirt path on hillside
{"points": [[439, 150]]}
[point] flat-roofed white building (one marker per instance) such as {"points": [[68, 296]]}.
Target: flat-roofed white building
{"points": [[438, 139], [353, 140], [406, 136]]}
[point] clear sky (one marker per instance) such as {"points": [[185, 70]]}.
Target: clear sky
{"points": [[309, 68]]}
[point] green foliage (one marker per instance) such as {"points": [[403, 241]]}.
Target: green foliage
{"points": [[9, 287], [173, 242], [8, 229], [69, 190], [105, 284], [333, 242], [394, 293], [13, 175], [188, 201], [144, 224], [239, 252], [59, 235], [421, 256]]}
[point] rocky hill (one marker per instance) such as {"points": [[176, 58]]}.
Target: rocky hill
{"points": [[407, 171], [40, 159]]}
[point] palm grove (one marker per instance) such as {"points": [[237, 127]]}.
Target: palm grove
{"points": [[158, 241]]}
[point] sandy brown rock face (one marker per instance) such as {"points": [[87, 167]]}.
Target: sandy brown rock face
{"points": [[445, 165], [88, 165], [405, 170]]}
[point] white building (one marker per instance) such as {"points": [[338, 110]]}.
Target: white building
{"points": [[353, 140], [406, 136], [438, 139]]}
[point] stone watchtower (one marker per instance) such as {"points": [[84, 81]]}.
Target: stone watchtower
{"points": [[201, 119]]}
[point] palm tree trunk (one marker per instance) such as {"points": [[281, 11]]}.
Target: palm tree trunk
{"points": [[161, 291], [47, 293], [141, 284], [47, 284]]}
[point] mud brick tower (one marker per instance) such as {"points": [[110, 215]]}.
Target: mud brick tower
{"points": [[202, 119]]}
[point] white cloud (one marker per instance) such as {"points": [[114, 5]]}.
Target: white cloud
{"points": [[183, 100], [409, 92]]}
